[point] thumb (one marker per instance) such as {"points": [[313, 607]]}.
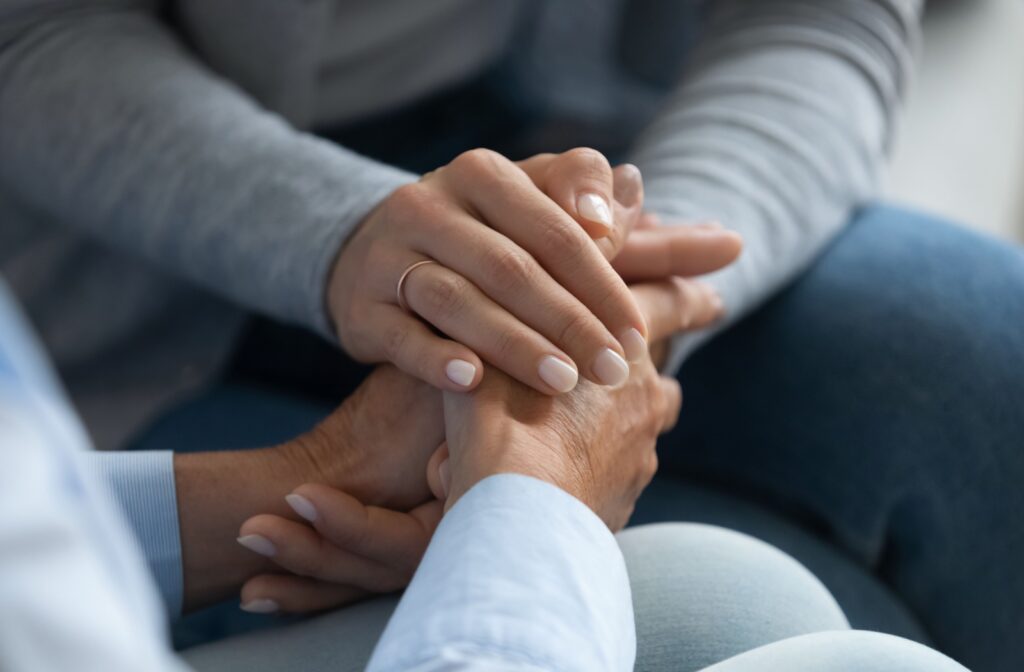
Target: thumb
{"points": [[439, 472]]}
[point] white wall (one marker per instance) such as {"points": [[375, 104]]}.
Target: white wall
{"points": [[960, 151]]}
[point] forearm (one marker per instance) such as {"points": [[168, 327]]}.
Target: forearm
{"points": [[779, 130], [110, 126], [217, 492], [185, 510]]}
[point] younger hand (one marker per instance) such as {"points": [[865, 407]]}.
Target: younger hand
{"points": [[517, 280]]}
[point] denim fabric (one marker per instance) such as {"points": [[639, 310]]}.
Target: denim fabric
{"points": [[877, 403]]}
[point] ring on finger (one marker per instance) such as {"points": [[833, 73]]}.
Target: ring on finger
{"points": [[400, 289]]}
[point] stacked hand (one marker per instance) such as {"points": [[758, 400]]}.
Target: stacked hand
{"points": [[511, 283], [518, 281]]}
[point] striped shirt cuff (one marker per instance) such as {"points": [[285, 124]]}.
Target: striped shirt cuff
{"points": [[142, 484]]}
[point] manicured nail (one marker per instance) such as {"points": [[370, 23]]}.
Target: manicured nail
{"points": [[610, 368], [261, 606], [301, 506], [595, 209], [460, 372], [633, 344], [258, 544], [444, 473], [628, 187], [557, 374]]}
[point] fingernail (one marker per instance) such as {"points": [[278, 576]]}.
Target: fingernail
{"points": [[557, 374], [610, 368], [444, 472], [595, 209], [301, 506], [711, 224], [460, 372], [634, 344], [258, 544], [628, 184], [261, 606]]}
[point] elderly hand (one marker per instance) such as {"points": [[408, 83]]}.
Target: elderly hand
{"points": [[517, 282], [596, 442]]}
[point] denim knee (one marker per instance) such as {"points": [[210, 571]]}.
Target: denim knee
{"points": [[702, 594]]}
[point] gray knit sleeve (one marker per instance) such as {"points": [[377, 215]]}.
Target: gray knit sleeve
{"points": [[779, 130], [108, 124]]}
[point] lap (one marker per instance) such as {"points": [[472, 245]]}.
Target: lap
{"points": [[876, 402], [850, 651], [701, 594]]}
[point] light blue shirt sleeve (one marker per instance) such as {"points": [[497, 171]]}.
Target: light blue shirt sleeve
{"points": [[74, 593], [519, 576], [142, 484]]}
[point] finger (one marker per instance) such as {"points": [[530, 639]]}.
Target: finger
{"points": [[647, 220], [394, 538], [627, 209], [459, 309], [658, 253], [509, 202], [439, 472], [514, 280], [580, 181], [672, 395], [286, 593], [677, 304], [299, 549], [412, 347], [556, 174]]}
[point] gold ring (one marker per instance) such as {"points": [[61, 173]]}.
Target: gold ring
{"points": [[400, 290]]}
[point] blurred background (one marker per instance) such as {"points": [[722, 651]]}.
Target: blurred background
{"points": [[960, 151]]}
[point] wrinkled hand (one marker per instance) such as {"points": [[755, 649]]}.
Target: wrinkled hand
{"points": [[596, 442]]}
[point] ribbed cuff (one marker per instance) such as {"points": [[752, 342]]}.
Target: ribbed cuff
{"points": [[142, 484]]}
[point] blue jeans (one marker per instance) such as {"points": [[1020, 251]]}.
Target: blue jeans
{"points": [[866, 421], [879, 404]]}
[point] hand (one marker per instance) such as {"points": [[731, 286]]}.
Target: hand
{"points": [[518, 280], [375, 446], [595, 442]]}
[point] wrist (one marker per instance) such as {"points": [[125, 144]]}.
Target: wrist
{"points": [[509, 450], [217, 491]]}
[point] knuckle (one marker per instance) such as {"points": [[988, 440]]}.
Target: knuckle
{"points": [[578, 324], [445, 294], [590, 162], [408, 201], [513, 268], [613, 298], [562, 237], [478, 161], [505, 341]]}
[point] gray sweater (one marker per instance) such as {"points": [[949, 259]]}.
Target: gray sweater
{"points": [[156, 177]]}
